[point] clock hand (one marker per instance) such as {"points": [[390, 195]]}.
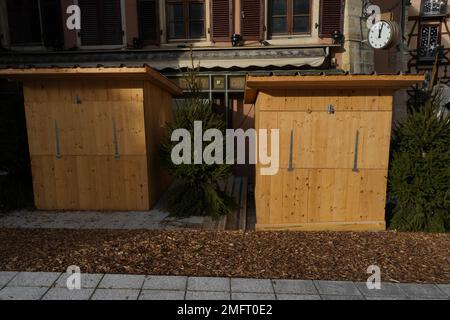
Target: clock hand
{"points": [[381, 30]]}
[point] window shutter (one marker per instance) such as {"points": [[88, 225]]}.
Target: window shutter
{"points": [[101, 22], [112, 23], [90, 33], [251, 17], [148, 21], [52, 23], [222, 22], [331, 17], [24, 21]]}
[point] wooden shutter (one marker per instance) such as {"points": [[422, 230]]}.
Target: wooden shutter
{"points": [[331, 17], [252, 19], [221, 22], [24, 22], [148, 21], [52, 23], [101, 22], [111, 28], [90, 33]]}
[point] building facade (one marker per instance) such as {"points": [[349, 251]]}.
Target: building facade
{"points": [[273, 36]]}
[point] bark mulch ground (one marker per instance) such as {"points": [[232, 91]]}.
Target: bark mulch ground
{"points": [[404, 257]]}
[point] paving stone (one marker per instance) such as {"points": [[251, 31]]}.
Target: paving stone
{"points": [[22, 293], [138, 222], [87, 280], [192, 220], [294, 286], [165, 282], [161, 295], [66, 294], [34, 279], [342, 297], [387, 298], [121, 281], [344, 288], [5, 277], [208, 284], [445, 288], [251, 285], [252, 296], [157, 215], [207, 295], [283, 296], [422, 290], [387, 290], [115, 294]]}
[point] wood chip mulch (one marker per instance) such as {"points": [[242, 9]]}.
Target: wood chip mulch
{"points": [[404, 257]]}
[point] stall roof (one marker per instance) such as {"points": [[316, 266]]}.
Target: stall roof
{"points": [[132, 73], [346, 81]]}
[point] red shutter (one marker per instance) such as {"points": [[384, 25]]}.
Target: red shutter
{"points": [[101, 22], [52, 23], [24, 21], [222, 23], [331, 17], [252, 19], [148, 21], [111, 28]]}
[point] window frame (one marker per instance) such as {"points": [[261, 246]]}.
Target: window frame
{"points": [[289, 20], [419, 43], [186, 20], [432, 14]]}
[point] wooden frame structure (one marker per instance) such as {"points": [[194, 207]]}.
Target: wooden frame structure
{"points": [[93, 135], [335, 134]]}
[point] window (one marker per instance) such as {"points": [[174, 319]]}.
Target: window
{"points": [[186, 19], [290, 17], [434, 7], [35, 22], [429, 41], [101, 22]]}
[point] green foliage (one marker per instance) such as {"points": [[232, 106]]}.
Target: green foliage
{"points": [[420, 171], [196, 190]]}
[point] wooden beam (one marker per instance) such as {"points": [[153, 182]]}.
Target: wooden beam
{"points": [[394, 82], [124, 73]]}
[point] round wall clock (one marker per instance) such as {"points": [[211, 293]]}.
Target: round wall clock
{"points": [[384, 35]]}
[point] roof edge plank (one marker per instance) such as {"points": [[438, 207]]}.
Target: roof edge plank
{"points": [[131, 73], [254, 84]]}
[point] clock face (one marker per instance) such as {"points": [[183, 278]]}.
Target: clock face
{"points": [[380, 35]]}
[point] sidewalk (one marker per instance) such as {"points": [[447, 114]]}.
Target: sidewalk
{"points": [[52, 286]]}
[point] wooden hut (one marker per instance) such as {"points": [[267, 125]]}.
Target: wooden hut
{"points": [[93, 135], [335, 134]]}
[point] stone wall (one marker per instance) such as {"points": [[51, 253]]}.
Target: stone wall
{"points": [[357, 56]]}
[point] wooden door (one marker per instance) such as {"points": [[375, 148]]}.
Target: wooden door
{"points": [[87, 144], [333, 164]]}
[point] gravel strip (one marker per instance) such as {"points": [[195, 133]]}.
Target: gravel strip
{"points": [[403, 257]]}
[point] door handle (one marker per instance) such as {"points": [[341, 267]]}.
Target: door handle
{"points": [[57, 142], [242, 14], [116, 144], [291, 147], [355, 160]]}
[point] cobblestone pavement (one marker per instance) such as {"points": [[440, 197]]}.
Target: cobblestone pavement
{"points": [[53, 286]]}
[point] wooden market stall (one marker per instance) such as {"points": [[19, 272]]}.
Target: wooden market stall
{"points": [[335, 133], [93, 135]]}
